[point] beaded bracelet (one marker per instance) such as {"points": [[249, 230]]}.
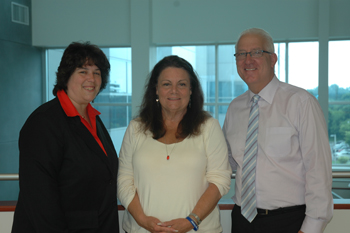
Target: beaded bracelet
{"points": [[196, 217], [195, 227]]}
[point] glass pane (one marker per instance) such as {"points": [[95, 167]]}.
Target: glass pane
{"points": [[222, 114], [338, 80], [202, 58], [280, 67], [118, 90], [115, 119], [339, 114], [53, 59], [230, 83], [340, 188], [303, 69], [210, 109], [339, 132]]}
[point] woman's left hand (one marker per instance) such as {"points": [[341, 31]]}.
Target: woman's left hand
{"points": [[180, 224]]}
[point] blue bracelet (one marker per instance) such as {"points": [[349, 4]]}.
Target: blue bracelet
{"points": [[195, 227]]}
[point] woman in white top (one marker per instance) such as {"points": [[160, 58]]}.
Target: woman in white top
{"points": [[173, 162]]}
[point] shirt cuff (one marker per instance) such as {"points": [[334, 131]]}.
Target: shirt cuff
{"points": [[311, 225]]}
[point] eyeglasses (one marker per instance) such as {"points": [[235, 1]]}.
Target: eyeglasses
{"points": [[253, 53]]}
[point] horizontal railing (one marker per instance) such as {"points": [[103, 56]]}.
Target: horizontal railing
{"points": [[9, 176], [334, 175], [338, 203], [233, 176]]}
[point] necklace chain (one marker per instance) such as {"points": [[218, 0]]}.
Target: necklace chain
{"points": [[166, 147]]}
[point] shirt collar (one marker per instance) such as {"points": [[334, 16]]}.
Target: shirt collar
{"points": [[69, 108], [268, 92]]}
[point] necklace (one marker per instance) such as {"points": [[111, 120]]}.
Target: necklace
{"points": [[166, 147]]}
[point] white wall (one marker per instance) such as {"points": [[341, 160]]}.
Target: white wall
{"points": [[56, 23], [222, 21], [339, 19], [339, 223], [108, 22]]}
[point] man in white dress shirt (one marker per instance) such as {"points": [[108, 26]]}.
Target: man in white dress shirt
{"points": [[293, 172]]}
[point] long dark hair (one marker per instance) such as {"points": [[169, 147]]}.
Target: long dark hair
{"points": [[151, 112], [77, 55]]}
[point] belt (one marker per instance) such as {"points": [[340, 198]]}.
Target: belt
{"points": [[281, 210]]}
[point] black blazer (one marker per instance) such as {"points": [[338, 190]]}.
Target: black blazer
{"points": [[67, 183]]}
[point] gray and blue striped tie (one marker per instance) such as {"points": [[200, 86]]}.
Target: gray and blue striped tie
{"points": [[248, 199]]}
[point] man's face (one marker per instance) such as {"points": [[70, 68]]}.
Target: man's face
{"points": [[256, 72]]}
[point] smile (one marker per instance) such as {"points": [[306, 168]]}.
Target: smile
{"points": [[251, 69]]}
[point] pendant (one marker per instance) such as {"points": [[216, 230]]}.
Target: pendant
{"points": [[168, 157]]}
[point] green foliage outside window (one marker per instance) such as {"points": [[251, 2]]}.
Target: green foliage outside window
{"points": [[339, 115], [345, 130], [343, 160]]}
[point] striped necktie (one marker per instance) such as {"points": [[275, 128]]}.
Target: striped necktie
{"points": [[248, 199]]}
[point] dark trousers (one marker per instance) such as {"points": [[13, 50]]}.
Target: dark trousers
{"points": [[288, 221]]}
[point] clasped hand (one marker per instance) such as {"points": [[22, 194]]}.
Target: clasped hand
{"points": [[154, 225]]}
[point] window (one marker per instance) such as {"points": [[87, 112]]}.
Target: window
{"points": [[114, 102], [339, 104], [303, 70]]}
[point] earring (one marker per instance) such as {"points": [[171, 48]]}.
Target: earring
{"points": [[189, 103], [157, 100]]}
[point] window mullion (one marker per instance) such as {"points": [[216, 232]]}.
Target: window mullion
{"points": [[216, 83]]}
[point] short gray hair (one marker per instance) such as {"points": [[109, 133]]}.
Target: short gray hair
{"points": [[257, 31]]}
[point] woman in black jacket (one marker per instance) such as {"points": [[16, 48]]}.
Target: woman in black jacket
{"points": [[68, 164]]}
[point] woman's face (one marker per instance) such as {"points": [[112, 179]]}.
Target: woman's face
{"points": [[84, 84], [174, 90]]}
